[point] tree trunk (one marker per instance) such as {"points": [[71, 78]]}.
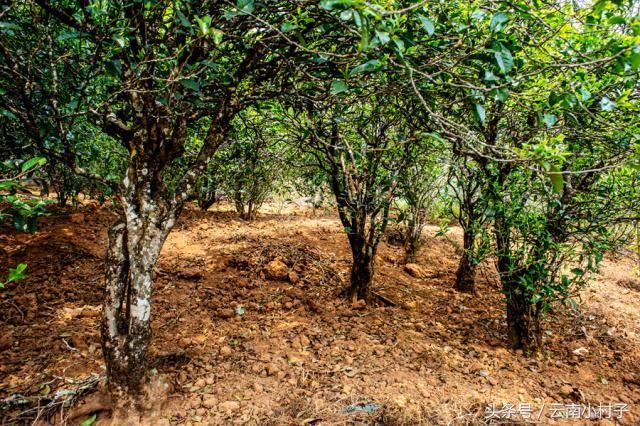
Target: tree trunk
{"points": [[524, 329], [465, 276], [412, 241], [362, 269], [206, 199], [134, 247]]}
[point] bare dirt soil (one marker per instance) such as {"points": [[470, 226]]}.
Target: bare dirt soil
{"points": [[245, 342]]}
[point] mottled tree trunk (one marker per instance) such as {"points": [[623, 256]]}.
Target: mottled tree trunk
{"points": [[412, 241], [362, 269], [465, 276], [134, 247], [524, 329]]}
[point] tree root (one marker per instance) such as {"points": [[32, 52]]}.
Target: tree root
{"points": [[43, 406]]}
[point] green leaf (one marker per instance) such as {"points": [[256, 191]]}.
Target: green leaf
{"points": [[557, 181], [8, 114], [330, 4], [585, 94], [498, 22], [216, 34], [338, 86], [9, 26], [183, 20], [114, 67], [478, 14], [346, 15], [246, 6], [190, 83], [436, 136], [8, 184], [368, 66], [203, 24], [33, 162], [607, 104], [383, 37], [504, 59], [88, 421], [634, 60], [489, 76], [120, 40], [500, 94], [287, 26], [550, 120], [69, 35], [427, 24], [479, 112]]}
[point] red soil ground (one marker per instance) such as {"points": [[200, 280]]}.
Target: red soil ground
{"points": [[239, 348]]}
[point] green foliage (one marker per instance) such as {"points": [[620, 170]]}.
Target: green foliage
{"points": [[17, 204], [15, 274], [419, 188]]}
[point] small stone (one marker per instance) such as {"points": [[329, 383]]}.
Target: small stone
{"points": [[300, 342], [293, 277], [209, 401], [272, 369], [6, 341], [76, 218], [483, 373], [226, 351], [257, 387], [415, 270], [566, 390], [229, 406], [360, 305], [276, 270], [476, 367], [409, 305], [225, 313], [200, 383], [295, 358], [401, 401]]}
